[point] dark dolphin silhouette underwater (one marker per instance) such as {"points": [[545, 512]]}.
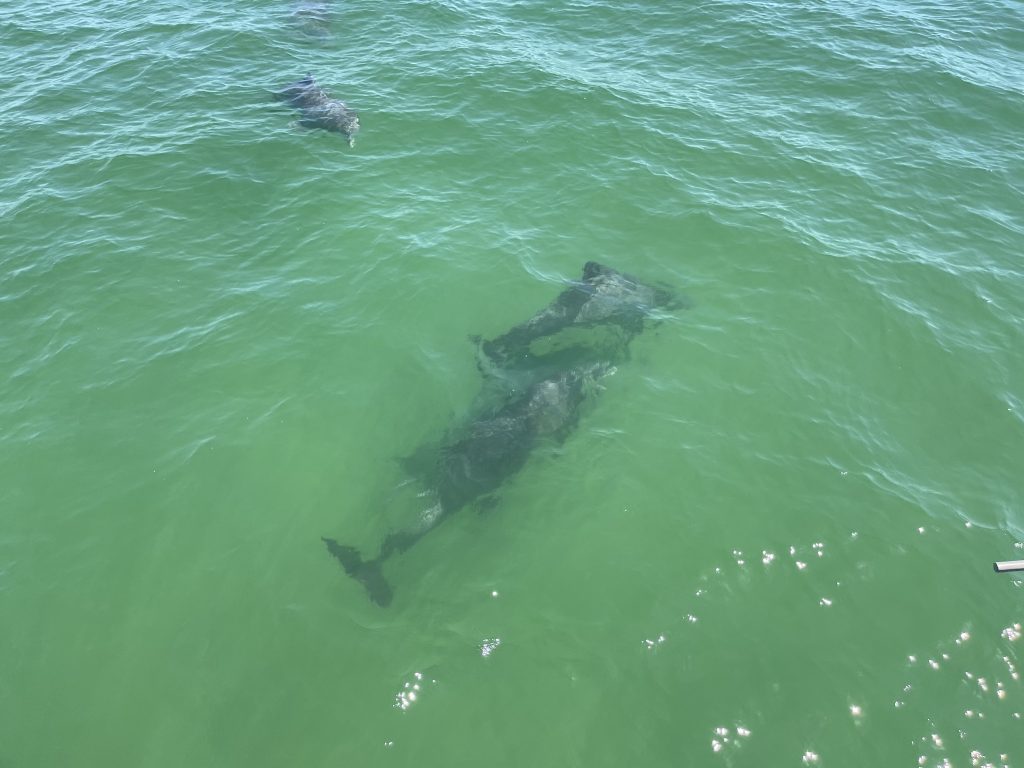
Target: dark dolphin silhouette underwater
{"points": [[317, 109], [538, 376], [312, 18]]}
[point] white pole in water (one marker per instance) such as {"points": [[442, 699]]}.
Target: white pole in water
{"points": [[1008, 565]]}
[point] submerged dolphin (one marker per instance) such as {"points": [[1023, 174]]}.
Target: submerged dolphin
{"points": [[312, 17], [318, 109], [602, 297], [474, 461]]}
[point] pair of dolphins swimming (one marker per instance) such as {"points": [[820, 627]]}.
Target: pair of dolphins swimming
{"points": [[317, 108], [537, 375]]}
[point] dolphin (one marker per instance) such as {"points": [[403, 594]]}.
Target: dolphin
{"points": [[477, 458], [602, 297], [318, 109], [312, 18]]}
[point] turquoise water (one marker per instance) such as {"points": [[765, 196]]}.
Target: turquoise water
{"points": [[769, 540]]}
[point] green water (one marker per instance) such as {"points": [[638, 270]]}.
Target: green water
{"points": [[769, 541]]}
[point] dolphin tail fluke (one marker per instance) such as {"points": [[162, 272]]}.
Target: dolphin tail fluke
{"points": [[367, 572]]}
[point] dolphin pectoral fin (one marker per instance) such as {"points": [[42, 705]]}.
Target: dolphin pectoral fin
{"points": [[366, 572]]}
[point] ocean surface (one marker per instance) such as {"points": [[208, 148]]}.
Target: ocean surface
{"points": [[769, 539]]}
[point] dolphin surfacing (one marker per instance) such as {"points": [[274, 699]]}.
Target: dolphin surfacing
{"points": [[531, 396], [318, 109]]}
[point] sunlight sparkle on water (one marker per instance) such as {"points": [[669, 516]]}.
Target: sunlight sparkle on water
{"points": [[410, 692], [654, 643], [1013, 670], [488, 646], [721, 737]]}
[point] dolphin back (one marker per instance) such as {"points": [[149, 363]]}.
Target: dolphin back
{"points": [[296, 93]]}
